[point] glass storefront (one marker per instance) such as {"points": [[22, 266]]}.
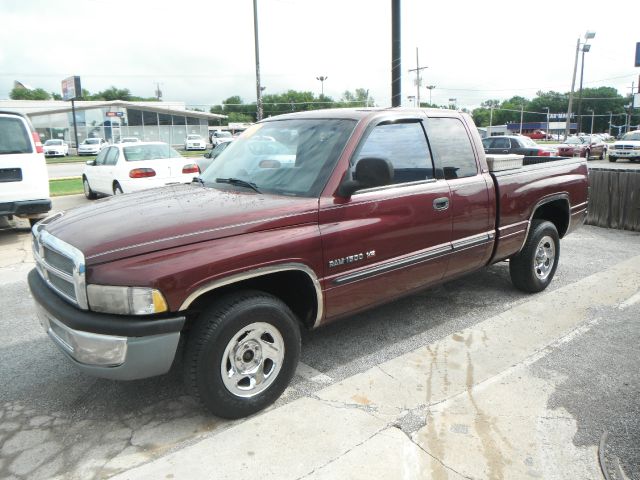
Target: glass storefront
{"points": [[113, 123]]}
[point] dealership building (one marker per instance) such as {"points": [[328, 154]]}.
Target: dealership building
{"points": [[168, 122]]}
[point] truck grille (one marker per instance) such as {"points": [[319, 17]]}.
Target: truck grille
{"points": [[60, 265]]}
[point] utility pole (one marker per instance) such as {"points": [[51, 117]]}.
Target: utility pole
{"points": [[573, 86], [490, 119], [255, 36], [417, 70], [158, 92], [396, 90], [521, 116]]}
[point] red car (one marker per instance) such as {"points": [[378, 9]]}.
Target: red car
{"points": [[538, 135], [588, 146]]}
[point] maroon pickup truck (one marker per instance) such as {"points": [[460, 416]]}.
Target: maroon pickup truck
{"points": [[304, 219]]}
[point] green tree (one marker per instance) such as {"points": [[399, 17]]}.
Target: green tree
{"points": [[22, 93]]}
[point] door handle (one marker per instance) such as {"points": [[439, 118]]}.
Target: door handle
{"points": [[441, 203], [505, 151]]}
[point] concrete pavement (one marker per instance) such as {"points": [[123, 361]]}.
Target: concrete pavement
{"points": [[470, 405]]}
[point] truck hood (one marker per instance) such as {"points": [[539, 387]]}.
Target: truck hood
{"points": [[167, 217]]}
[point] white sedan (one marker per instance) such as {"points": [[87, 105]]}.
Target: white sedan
{"points": [[55, 148], [92, 146], [194, 142], [125, 168]]}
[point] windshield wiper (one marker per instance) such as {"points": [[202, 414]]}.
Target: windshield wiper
{"points": [[238, 181]]}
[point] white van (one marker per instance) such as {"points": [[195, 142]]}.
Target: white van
{"points": [[24, 181]]}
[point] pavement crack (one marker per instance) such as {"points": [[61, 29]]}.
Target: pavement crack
{"points": [[343, 453], [386, 373], [431, 455]]}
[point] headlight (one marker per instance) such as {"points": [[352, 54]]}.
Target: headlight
{"points": [[125, 300]]}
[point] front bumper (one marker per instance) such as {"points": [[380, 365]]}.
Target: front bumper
{"points": [[118, 347], [26, 208], [630, 154]]}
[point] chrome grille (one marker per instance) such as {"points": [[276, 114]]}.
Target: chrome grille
{"points": [[60, 265]]}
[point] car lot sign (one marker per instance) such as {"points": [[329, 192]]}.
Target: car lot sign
{"points": [[115, 114], [71, 88]]}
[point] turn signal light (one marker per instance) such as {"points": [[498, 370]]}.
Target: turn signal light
{"points": [[38, 143], [190, 168], [142, 173]]}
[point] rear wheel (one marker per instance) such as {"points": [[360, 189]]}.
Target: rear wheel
{"points": [[533, 268], [242, 353], [90, 194], [612, 159], [587, 154]]}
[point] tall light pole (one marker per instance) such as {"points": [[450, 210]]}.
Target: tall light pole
{"points": [[322, 78], [588, 36], [547, 109], [255, 36], [418, 69], [610, 120], [396, 87], [430, 88], [592, 118]]}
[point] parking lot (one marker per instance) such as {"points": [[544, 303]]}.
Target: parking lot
{"points": [[472, 379]]}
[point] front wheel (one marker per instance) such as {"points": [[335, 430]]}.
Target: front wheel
{"points": [[612, 159], [88, 193], [533, 268], [242, 353]]}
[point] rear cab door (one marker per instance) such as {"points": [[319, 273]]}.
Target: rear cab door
{"points": [[386, 241], [472, 194]]}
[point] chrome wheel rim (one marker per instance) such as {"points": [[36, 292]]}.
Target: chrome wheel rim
{"points": [[87, 190], [252, 360], [545, 257]]}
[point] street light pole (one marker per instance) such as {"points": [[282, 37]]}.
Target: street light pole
{"points": [[430, 88], [610, 120], [592, 119], [322, 78], [585, 49], [257, 49], [547, 109], [521, 116], [589, 35]]}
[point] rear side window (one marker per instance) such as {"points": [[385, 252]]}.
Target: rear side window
{"points": [[14, 137], [452, 148], [405, 146]]}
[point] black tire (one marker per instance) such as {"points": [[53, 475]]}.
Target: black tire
{"points": [[88, 193], [612, 159], [532, 270], [587, 154], [601, 157], [33, 221], [117, 189], [221, 330]]}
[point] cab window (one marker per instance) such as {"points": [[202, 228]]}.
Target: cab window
{"points": [[452, 148]]}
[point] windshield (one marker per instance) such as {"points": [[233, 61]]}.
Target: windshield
{"points": [[222, 134], [136, 153], [286, 157], [53, 142], [193, 137], [632, 136], [91, 141], [575, 141]]}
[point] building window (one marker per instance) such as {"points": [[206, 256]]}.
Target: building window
{"points": [[150, 118], [135, 117]]}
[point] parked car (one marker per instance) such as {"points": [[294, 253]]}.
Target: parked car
{"points": [[627, 147], [587, 146], [538, 135], [24, 180], [377, 204], [213, 154], [92, 146], [55, 148], [125, 168], [129, 140], [517, 144], [195, 142], [219, 136]]}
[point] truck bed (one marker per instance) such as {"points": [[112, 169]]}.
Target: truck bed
{"points": [[520, 191]]}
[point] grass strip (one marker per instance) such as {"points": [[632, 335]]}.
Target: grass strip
{"points": [[65, 186]]}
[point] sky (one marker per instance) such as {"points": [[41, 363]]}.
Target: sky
{"points": [[202, 52]]}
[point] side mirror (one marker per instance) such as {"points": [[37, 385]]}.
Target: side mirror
{"points": [[370, 173], [91, 163], [207, 155]]}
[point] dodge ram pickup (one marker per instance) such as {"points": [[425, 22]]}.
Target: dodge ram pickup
{"points": [[305, 219]]}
